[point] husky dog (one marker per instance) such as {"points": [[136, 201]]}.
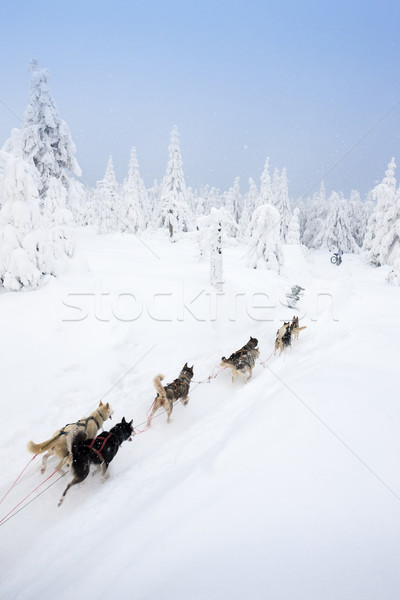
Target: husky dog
{"points": [[283, 338], [166, 395], [242, 361], [57, 444], [295, 329], [99, 451]]}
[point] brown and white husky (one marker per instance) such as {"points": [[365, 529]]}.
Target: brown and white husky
{"points": [[57, 444]]}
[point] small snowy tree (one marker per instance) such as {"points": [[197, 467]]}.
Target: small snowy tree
{"points": [[134, 202], [58, 218], [356, 214], [280, 199], [46, 137], [174, 210], [251, 199], [265, 196], [265, 242], [293, 236], [316, 211], [78, 201], [153, 195], [25, 256], [212, 230], [107, 203]]}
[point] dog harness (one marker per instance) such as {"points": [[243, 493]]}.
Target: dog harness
{"points": [[179, 387], [79, 423], [105, 439]]}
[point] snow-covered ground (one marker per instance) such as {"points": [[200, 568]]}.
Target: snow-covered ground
{"points": [[285, 488]]}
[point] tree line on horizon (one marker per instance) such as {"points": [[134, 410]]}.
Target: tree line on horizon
{"points": [[42, 200]]}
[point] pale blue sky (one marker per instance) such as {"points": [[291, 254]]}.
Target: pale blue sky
{"points": [[300, 82]]}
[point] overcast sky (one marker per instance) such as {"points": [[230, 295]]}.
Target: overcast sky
{"points": [[302, 82]]}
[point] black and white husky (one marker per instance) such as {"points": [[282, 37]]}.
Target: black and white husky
{"points": [[99, 451]]}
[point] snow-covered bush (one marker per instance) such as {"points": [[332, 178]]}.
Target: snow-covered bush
{"points": [[265, 242]]}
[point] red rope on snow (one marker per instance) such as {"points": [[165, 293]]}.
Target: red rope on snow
{"points": [[267, 359], [18, 478]]}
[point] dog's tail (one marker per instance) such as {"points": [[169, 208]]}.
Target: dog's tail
{"points": [[304, 327], [42, 447], [159, 387]]}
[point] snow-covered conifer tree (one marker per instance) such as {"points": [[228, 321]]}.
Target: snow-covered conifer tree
{"points": [[174, 211], [316, 211], [58, 218], [380, 238], [106, 199], [78, 201], [234, 201], [25, 254], [153, 195], [280, 199], [356, 213], [337, 231], [134, 202], [293, 236], [265, 241], [265, 196], [251, 199], [46, 137]]}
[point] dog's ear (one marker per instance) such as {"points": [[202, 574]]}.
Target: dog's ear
{"points": [[185, 366], [123, 420], [100, 403], [130, 423], [107, 405]]}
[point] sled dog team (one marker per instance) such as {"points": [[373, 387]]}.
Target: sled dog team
{"points": [[77, 445]]}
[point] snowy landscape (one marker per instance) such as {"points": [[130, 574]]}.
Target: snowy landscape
{"points": [[283, 487]]}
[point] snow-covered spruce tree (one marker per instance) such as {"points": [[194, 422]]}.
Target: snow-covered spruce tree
{"points": [[78, 202], [280, 199], [356, 214], [265, 241], [25, 254], [316, 211], [174, 211], [153, 195], [134, 202], [212, 232], [337, 231], [381, 235], [58, 218], [265, 196], [293, 235], [200, 205], [251, 199], [233, 201], [212, 197], [389, 248], [46, 137], [106, 199]]}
